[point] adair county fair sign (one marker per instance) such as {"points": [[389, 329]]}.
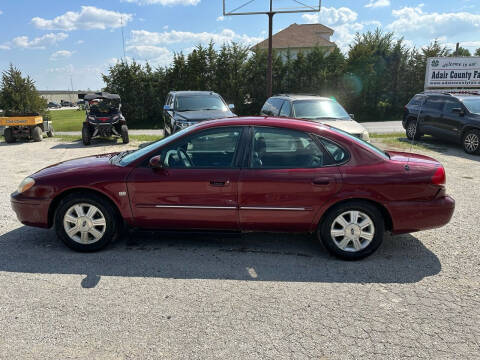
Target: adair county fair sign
{"points": [[450, 72]]}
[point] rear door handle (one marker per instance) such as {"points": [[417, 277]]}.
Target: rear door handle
{"points": [[321, 181], [219, 182]]}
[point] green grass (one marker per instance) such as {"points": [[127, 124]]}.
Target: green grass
{"points": [[139, 138], [400, 141], [67, 120]]}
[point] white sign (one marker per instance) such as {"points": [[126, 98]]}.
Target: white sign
{"points": [[450, 72]]}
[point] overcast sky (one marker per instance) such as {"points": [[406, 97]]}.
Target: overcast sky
{"points": [[58, 41]]}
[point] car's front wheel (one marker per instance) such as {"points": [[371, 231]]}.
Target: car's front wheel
{"points": [[85, 222], [471, 141], [352, 230]]}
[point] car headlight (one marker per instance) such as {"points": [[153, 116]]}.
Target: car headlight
{"points": [[365, 136], [26, 184]]}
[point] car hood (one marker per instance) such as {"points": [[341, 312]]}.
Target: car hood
{"points": [[349, 126], [201, 115], [89, 164]]}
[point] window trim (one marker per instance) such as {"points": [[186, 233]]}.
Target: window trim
{"points": [[248, 157]]}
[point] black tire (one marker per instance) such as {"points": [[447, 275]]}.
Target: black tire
{"points": [[412, 130], [365, 208], [8, 134], [124, 134], [50, 132], [86, 136], [471, 141], [37, 134], [106, 209]]}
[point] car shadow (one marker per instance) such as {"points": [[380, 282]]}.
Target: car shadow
{"points": [[444, 147], [252, 257], [79, 144]]}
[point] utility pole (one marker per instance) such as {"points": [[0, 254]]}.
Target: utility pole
{"points": [[270, 52]]}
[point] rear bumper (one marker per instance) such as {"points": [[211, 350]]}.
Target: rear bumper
{"points": [[411, 216], [31, 212]]}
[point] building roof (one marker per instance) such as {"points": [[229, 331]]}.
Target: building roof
{"points": [[300, 36]]}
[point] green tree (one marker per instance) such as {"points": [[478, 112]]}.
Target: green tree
{"points": [[477, 52], [461, 52], [18, 95]]}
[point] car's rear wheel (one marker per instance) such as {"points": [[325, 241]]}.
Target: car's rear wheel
{"points": [[86, 136], [85, 222], [412, 131], [352, 230], [8, 134], [471, 141]]}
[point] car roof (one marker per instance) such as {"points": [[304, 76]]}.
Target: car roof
{"points": [[460, 96], [294, 97], [299, 124], [190, 92]]}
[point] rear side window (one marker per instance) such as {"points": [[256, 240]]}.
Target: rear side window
{"points": [[275, 148], [416, 100], [435, 103], [339, 155], [272, 107]]}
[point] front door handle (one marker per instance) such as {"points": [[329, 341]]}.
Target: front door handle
{"points": [[219, 182]]}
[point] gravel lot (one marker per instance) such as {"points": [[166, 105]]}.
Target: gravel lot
{"points": [[254, 296]]}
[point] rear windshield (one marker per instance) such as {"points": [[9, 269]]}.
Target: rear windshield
{"points": [[319, 109], [375, 149], [416, 100], [472, 104]]}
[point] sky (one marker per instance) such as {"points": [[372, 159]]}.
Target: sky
{"points": [[64, 43]]}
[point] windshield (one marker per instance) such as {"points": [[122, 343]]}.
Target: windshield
{"points": [[123, 159], [199, 102], [473, 105], [319, 109], [360, 141]]}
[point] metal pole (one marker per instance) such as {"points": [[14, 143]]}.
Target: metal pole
{"points": [[270, 58]]}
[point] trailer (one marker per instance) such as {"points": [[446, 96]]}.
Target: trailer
{"points": [[26, 127]]}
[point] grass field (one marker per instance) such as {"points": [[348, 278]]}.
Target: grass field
{"points": [[400, 141], [139, 138], [67, 120]]}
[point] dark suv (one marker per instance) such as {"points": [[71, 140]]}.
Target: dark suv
{"points": [[185, 108], [447, 116]]}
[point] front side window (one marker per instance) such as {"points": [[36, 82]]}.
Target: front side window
{"points": [[213, 148], [472, 104], [199, 102], [274, 148], [319, 109], [450, 105]]}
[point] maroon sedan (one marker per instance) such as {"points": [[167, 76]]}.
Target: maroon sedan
{"points": [[244, 174]]}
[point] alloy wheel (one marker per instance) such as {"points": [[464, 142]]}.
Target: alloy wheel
{"points": [[352, 231], [471, 142], [84, 223]]}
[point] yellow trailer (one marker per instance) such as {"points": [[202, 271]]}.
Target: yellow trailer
{"points": [[25, 127]]}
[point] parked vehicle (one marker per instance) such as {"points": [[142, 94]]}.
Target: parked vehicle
{"points": [[30, 127], [315, 108], [244, 174], [185, 108], [53, 105], [65, 103], [104, 118], [449, 116]]}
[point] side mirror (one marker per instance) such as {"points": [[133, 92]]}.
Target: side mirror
{"points": [[231, 106], [458, 111], [352, 116], [156, 162], [167, 108]]}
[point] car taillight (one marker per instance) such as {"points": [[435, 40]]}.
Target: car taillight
{"points": [[439, 177]]}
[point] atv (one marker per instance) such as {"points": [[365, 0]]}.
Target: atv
{"points": [[103, 117], [26, 126]]}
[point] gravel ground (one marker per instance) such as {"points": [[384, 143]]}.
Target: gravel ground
{"points": [[254, 296]]}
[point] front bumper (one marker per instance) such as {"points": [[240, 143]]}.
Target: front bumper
{"points": [[31, 212], [411, 216]]}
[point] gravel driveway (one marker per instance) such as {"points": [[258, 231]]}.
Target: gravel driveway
{"points": [[252, 296]]}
